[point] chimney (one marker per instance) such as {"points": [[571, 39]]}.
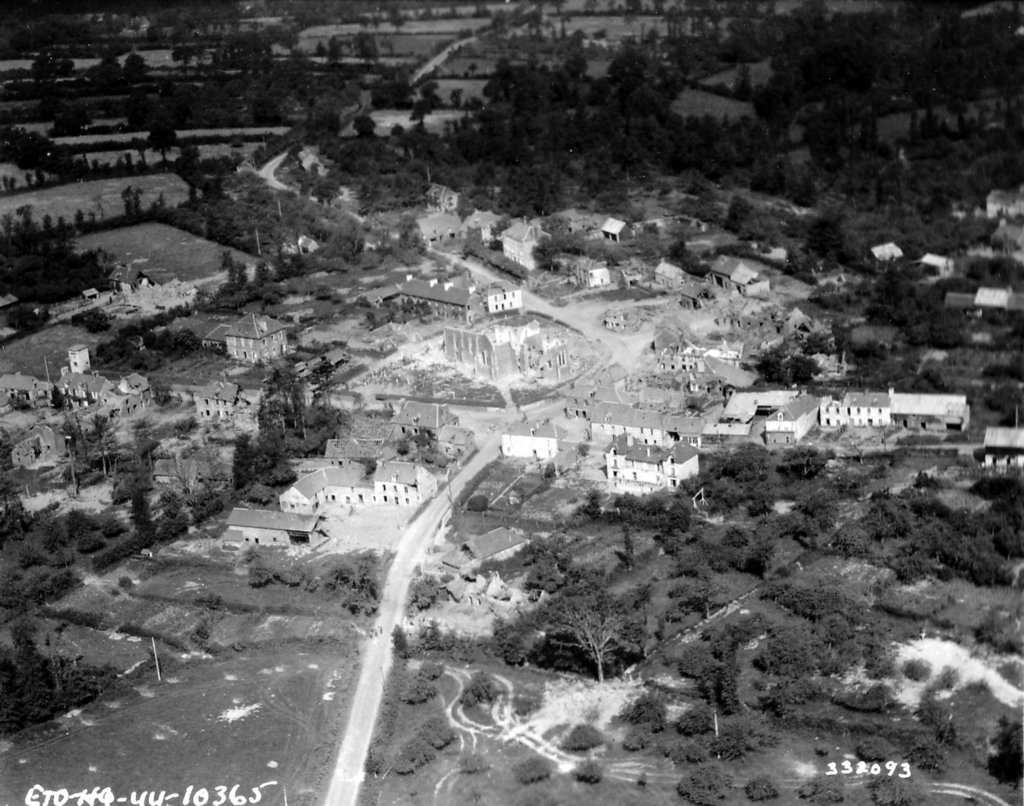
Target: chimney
{"points": [[408, 278], [629, 440], [892, 391], [432, 282], [448, 285]]}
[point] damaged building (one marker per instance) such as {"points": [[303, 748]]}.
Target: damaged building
{"points": [[500, 351]]}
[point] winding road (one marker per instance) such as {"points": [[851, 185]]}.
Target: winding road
{"points": [[349, 769]]}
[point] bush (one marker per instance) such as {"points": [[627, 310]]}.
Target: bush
{"points": [[696, 720], [822, 792], [582, 738], [589, 772], [761, 788], [636, 739], [125, 583], [705, 786], [431, 670], [647, 709], [414, 754], [532, 770], [917, 670], [481, 688], [418, 692], [478, 503], [947, 678], [877, 698], [875, 748]]}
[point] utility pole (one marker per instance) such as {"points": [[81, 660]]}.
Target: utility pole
{"points": [[258, 250]]}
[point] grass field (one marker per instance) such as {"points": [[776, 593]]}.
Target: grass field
{"points": [[698, 104], [26, 355], [247, 720], [101, 196], [386, 119], [163, 251], [244, 151], [449, 26], [614, 28], [26, 64], [760, 72]]}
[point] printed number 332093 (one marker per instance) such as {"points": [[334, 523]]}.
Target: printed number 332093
{"points": [[862, 768]]}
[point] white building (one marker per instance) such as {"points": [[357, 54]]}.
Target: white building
{"points": [[78, 359], [335, 486], [856, 409], [886, 252], [1004, 448], [633, 467], [644, 426], [1005, 203], [402, 484], [526, 441], [792, 422], [500, 298]]}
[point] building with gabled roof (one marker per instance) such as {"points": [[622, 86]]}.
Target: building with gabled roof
{"points": [[518, 242], [335, 486], [445, 298], [633, 467], [857, 410], [942, 265], [531, 441], [82, 389], [930, 412], [886, 252], [992, 297], [403, 484], [268, 527], [41, 445], [479, 224], [1004, 448], [739, 275], [439, 227], [792, 422], [256, 339], [413, 418], [499, 298], [441, 199], [644, 426], [668, 275], [455, 441], [225, 402], [615, 230], [590, 273], [1005, 203], [27, 389]]}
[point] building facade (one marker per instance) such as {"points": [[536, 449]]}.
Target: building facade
{"points": [[640, 469]]}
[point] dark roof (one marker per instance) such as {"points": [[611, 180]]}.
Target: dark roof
{"points": [[494, 542], [254, 327], [420, 289], [272, 519]]}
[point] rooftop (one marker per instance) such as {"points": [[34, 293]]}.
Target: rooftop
{"points": [[1005, 438], [254, 327], [271, 519]]}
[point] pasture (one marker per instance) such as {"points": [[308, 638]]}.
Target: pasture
{"points": [[27, 355], [760, 72], [615, 28], [386, 119], [698, 103], [251, 719], [163, 252], [207, 151], [101, 197], [448, 26], [183, 135], [469, 88]]}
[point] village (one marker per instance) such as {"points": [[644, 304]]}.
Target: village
{"points": [[511, 404]]}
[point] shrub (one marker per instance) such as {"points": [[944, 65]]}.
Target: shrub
{"points": [[636, 739], [589, 772], [647, 709], [875, 748], [582, 738], [761, 788], [696, 720], [125, 583], [431, 670], [877, 698], [481, 688], [689, 751], [473, 763], [705, 786], [418, 692], [917, 670], [413, 755], [525, 703], [947, 678], [477, 503], [822, 792], [532, 770]]}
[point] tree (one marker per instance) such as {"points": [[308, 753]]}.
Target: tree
{"points": [[364, 126], [1005, 763], [242, 471], [134, 69], [589, 618], [142, 517], [162, 135]]}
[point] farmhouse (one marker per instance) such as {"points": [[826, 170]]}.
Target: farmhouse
{"points": [[792, 422], [413, 418], [40, 445], [581, 222], [643, 426], [930, 412], [518, 242], [82, 390], [442, 199], [856, 409], [590, 273], [1005, 203], [402, 483], [256, 339], [455, 441], [479, 225], [1008, 237], [739, 275], [1004, 448], [743, 407], [499, 298], [268, 527], [497, 544], [640, 469], [941, 265], [225, 402], [439, 227], [668, 275], [333, 486], [501, 351], [444, 299], [528, 441], [26, 389]]}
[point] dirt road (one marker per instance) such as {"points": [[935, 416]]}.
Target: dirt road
{"points": [[266, 173], [440, 59], [349, 768]]}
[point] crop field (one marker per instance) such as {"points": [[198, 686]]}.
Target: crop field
{"points": [[184, 134], [210, 150], [386, 119], [163, 251], [471, 88], [26, 355], [157, 58], [448, 26], [100, 196], [467, 66], [249, 720], [698, 104], [26, 64]]}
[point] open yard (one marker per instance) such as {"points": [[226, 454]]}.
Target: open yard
{"points": [[697, 103], [101, 197], [163, 252], [259, 719]]}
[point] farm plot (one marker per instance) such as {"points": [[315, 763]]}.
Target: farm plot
{"points": [[184, 135], [697, 103], [242, 151], [760, 72], [448, 26], [101, 197], [165, 253], [387, 119], [615, 28], [27, 355], [254, 719]]}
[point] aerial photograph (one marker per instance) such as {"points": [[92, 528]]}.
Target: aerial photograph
{"points": [[511, 402]]}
